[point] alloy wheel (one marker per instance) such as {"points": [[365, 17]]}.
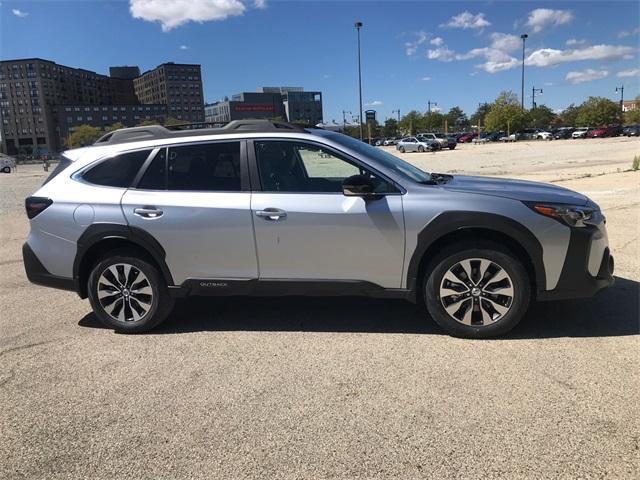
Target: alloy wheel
{"points": [[476, 292], [124, 292]]}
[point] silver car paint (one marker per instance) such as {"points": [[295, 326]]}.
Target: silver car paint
{"points": [[420, 204], [330, 236]]}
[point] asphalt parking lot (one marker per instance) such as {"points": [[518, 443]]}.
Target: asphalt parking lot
{"points": [[331, 388]]}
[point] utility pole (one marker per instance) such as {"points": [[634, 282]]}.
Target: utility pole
{"points": [[429, 103], [358, 26], [524, 37], [534, 90], [621, 90], [344, 119]]}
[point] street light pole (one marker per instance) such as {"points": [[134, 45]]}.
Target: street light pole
{"points": [[429, 103], [344, 119], [534, 90], [621, 90], [398, 112], [524, 37], [358, 26]]}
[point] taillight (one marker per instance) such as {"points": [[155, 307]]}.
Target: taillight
{"points": [[36, 205]]}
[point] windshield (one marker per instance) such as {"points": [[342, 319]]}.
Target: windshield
{"points": [[386, 159]]}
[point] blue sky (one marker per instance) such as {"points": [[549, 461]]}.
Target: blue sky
{"points": [[452, 53]]}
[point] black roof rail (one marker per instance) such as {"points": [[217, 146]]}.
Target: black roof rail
{"points": [[155, 132]]}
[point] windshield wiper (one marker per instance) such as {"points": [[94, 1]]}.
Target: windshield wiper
{"points": [[440, 178]]}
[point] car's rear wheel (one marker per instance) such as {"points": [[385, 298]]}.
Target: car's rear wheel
{"points": [[421, 149], [6, 170], [401, 149], [477, 290], [128, 293], [451, 147]]}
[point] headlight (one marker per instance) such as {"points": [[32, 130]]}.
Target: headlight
{"points": [[572, 215]]}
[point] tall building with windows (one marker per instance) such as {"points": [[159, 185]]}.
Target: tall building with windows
{"points": [[41, 102], [178, 86]]}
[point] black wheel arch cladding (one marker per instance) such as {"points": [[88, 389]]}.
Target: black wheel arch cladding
{"points": [[466, 224], [97, 233]]}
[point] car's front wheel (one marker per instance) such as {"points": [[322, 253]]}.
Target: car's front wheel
{"points": [[477, 290], [6, 169], [401, 149], [128, 293]]}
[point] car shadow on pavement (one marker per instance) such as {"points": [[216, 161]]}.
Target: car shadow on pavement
{"points": [[613, 312]]}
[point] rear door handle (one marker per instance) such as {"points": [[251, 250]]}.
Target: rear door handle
{"points": [[148, 212], [271, 214]]}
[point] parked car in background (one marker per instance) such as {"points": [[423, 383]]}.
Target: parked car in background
{"points": [[467, 137], [544, 135], [614, 130], [482, 138], [508, 138], [580, 132], [390, 141], [7, 164], [631, 131], [597, 133], [563, 133], [414, 144]]}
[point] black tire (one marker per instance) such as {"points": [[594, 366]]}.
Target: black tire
{"points": [[160, 304], [401, 149], [497, 255], [421, 149], [452, 147], [6, 170]]}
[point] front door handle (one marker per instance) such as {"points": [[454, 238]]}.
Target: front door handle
{"points": [[148, 212], [271, 214]]}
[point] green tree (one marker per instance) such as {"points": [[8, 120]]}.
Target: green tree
{"points": [[114, 126], [506, 114], [541, 116], [410, 123], [478, 118], [390, 128], [83, 135], [568, 116], [432, 121], [598, 111], [173, 121], [148, 121], [456, 119], [633, 116]]}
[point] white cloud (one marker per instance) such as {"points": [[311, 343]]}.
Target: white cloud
{"points": [[628, 33], [19, 13], [541, 18], [547, 57], [184, 47], [260, 4], [437, 41], [548, 84], [412, 47], [425, 79], [505, 42], [375, 103], [442, 54], [467, 20], [572, 42], [587, 75], [635, 72], [173, 13]]}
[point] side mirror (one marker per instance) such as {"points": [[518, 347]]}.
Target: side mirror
{"points": [[359, 186]]}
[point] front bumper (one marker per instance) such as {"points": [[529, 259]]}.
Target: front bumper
{"points": [[576, 280]]}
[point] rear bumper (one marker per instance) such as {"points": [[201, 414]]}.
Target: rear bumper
{"points": [[38, 274], [575, 280]]}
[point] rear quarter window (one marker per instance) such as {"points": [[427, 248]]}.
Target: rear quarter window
{"points": [[62, 164], [118, 171]]}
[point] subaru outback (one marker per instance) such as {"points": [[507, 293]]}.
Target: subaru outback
{"points": [[148, 214]]}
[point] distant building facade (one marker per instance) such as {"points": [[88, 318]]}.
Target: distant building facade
{"points": [[179, 86], [291, 104], [36, 95], [629, 105]]}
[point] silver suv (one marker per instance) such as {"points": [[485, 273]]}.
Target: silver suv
{"points": [[263, 208]]}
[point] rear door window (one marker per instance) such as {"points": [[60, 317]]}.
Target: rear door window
{"points": [[211, 167], [118, 171]]}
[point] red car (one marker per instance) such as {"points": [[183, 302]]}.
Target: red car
{"points": [[597, 133], [467, 138]]}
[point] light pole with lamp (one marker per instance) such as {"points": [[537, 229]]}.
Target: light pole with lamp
{"points": [[524, 37], [358, 26]]}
